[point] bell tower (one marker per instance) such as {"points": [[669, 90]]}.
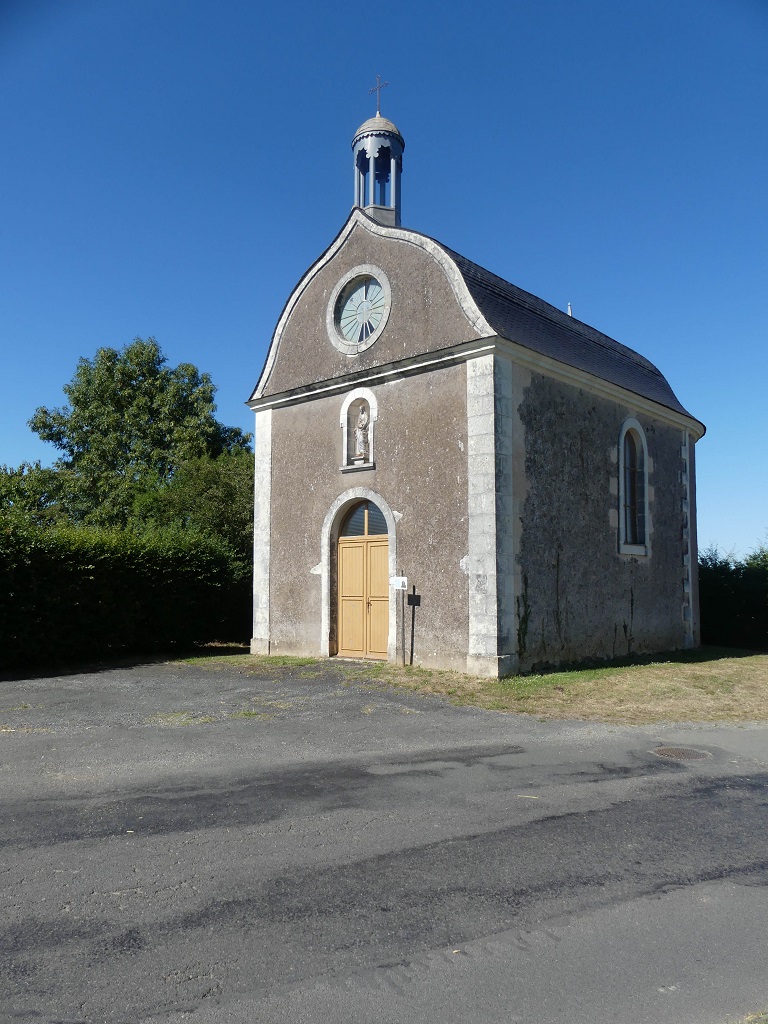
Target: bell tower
{"points": [[378, 152]]}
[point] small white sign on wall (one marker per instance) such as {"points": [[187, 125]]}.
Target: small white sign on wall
{"points": [[398, 582]]}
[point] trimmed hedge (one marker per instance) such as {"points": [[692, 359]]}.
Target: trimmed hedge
{"points": [[79, 594], [734, 602]]}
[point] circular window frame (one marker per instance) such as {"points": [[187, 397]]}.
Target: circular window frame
{"points": [[337, 338]]}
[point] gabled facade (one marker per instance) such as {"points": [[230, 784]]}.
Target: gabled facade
{"points": [[420, 418]]}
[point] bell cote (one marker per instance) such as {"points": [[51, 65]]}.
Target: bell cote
{"points": [[378, 152]]}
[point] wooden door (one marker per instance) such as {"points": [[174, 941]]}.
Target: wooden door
{"points": [[363, 584], [352, 599], [377, 637]]}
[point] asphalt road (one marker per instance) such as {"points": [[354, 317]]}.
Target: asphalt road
{"points": [[180, 844]]}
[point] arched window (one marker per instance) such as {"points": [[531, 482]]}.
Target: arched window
{"points": [[364, 520], [633, 490]]}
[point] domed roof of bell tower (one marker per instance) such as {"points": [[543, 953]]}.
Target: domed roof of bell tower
{"points": [[378, 125]]}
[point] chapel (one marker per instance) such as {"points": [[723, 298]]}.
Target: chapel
{"points": [[451, 472]]}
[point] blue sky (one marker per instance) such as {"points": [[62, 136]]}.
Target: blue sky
{"points": [[171, 168]]}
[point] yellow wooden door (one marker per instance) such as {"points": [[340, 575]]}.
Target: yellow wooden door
{"points": [[377, 605], [363, 575], [352, 598]]}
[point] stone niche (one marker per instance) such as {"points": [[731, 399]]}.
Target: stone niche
{"points": [[358, 417]]}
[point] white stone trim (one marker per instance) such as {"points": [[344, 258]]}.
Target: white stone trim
{"points": [[454, 276], [262, 526], [410, 366], [522, 356], [480, 564], [505, 535], [336, 338], [373, 406], [644, 549], [328, 539], [490, 561], [357, 217]]}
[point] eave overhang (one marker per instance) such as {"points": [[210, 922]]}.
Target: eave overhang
{"points": [[454, 354]]}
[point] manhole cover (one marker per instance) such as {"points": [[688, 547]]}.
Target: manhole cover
{"points": [[681, 753]]}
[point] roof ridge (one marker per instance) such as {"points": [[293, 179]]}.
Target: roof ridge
{"points": [[540, 307], [524, 318]]}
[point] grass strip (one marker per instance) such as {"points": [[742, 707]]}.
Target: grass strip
{"points": [[706, 685]]}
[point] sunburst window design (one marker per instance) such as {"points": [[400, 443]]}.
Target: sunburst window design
{"points": [[359, 309]]}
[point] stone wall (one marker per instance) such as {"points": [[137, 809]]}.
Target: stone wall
{"points": [[577, 597], [420, 473], [424, 316]]}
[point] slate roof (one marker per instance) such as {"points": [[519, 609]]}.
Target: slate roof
{"points": [[518, 316]]}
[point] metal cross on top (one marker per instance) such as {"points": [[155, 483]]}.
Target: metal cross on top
{"points": [[377, 89]]}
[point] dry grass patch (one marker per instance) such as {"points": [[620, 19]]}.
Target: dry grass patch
{"points": [[178, 719], [252, 664], [707, 685], [724, 688], [259, 716]]}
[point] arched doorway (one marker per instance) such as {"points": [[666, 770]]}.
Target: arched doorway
{"points": [[363, 583]]}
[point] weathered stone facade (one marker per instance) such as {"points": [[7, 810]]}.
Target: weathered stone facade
{"points": [[582, 598], [536, 478], [421, 423], [425, 316]]}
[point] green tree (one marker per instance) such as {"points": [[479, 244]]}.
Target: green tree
{"points": [[130, 424], [758, 559], [734, 598], [213, 497], [31, 494]]}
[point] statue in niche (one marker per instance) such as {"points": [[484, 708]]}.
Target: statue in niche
{"points": [[362, 448]]}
